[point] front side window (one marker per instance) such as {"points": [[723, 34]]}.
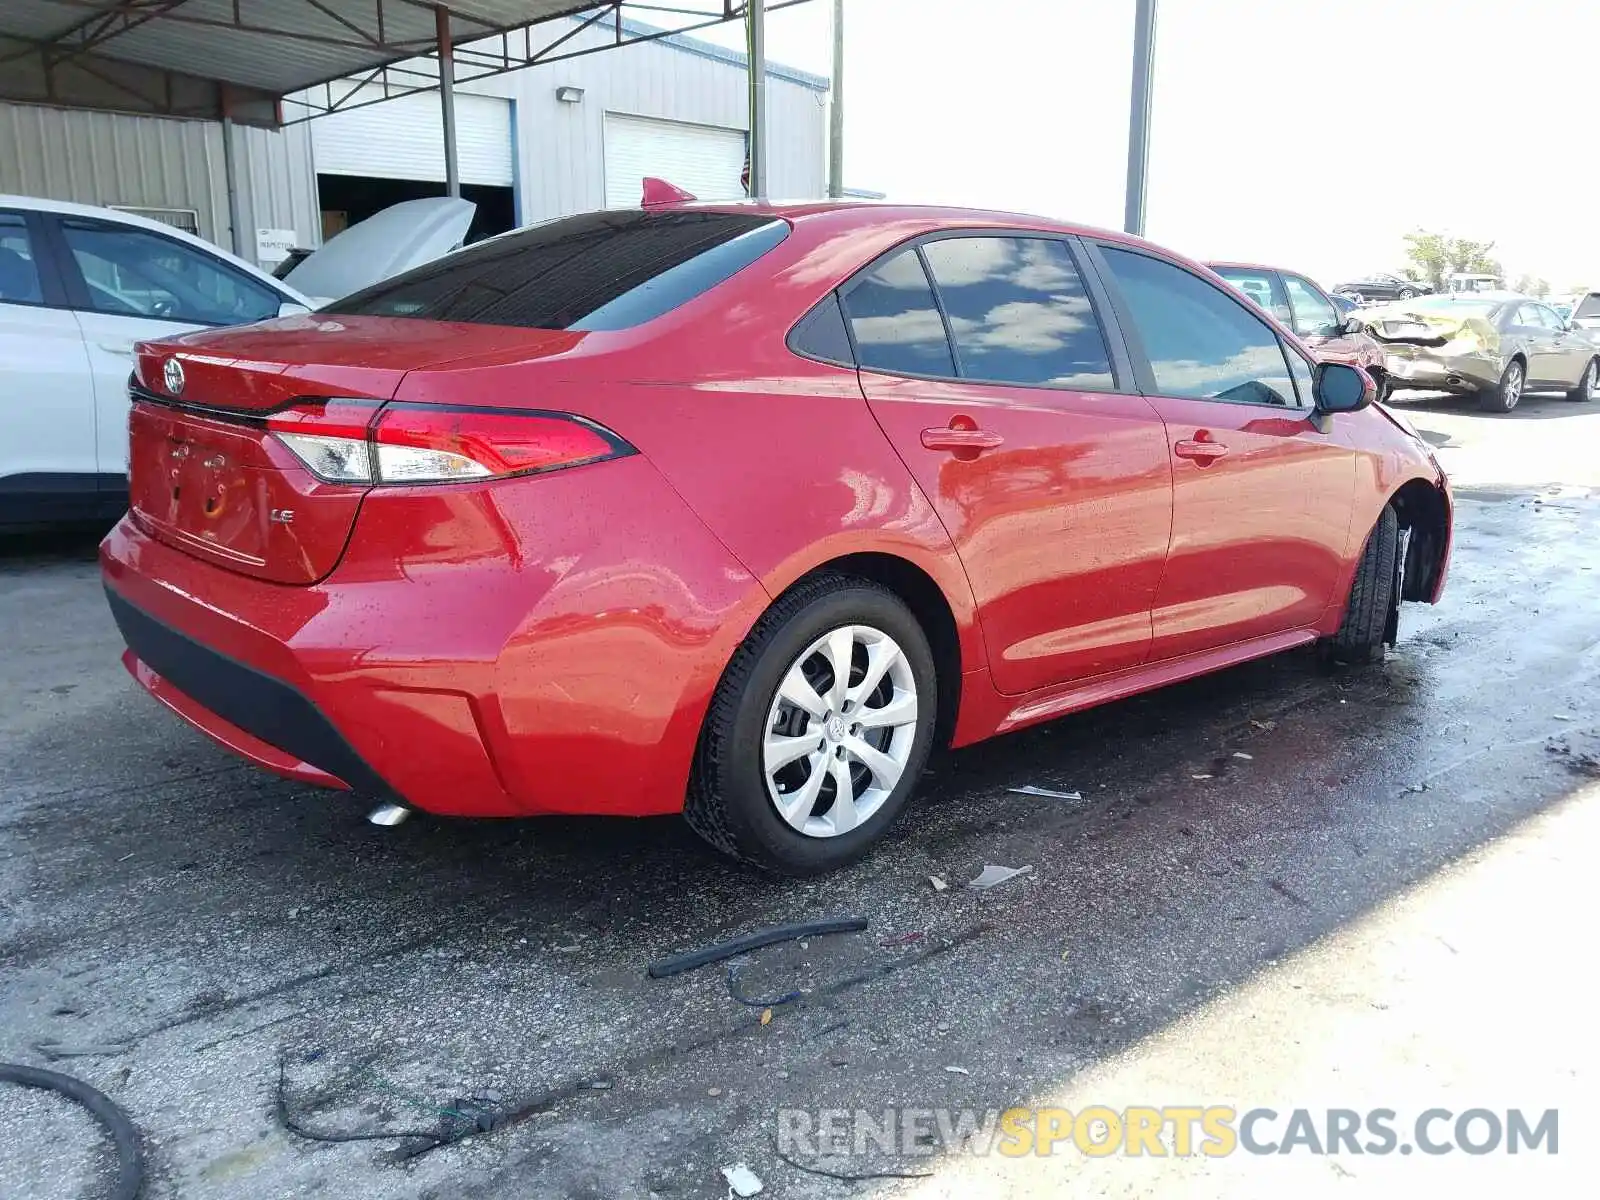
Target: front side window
{"points": [[19, 272], [1261, 287], [602, 270], [1201, 343], [895, 321], [1314, 313], [132, 272], [1018, 312]]}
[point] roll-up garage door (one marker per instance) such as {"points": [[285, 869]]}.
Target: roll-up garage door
{"points": [[403, 138], [702, 159]]}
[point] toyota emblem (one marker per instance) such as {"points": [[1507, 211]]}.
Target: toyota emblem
{"points": [[172, 376]]}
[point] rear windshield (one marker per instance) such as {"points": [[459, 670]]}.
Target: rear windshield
{"points": [[1453, 304], [1589, 306], [604, 270]]}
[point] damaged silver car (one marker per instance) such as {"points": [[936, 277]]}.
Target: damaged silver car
{"points": [[1496, 346]]}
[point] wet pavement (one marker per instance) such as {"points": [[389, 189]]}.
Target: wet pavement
{"points": [[1279, 887]]}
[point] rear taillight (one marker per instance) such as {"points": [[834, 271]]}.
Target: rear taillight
{"points": [[354, 441]]}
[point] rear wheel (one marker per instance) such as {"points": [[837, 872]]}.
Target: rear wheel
{"points": [[818, 731], [1374, 598], [1409, 293], [1589, 385], [1503, 397]]}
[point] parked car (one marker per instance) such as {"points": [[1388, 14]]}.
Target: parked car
{"points": [[1311, 312], [1381, 287], [1586, 313], [80, 285], [1494, 345], [1464, 282], [744, 523]]}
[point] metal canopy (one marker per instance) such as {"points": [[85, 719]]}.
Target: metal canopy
{"points": [[238, 58]]}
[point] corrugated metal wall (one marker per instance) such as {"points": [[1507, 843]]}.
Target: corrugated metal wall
{"points": [[113, 158]]}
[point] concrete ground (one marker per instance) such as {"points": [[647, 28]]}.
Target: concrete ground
{"points": [[1386, 904]]}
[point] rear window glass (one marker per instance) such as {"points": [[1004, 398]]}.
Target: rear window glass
{"points": [[605, 270], [1589, 306]]}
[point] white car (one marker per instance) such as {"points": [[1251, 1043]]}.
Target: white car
{"points": [[80, 285]]}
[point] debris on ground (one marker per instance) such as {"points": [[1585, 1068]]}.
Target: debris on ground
{"points": [[752, 941], [734, 990], [1242, 755], [1563, 716], [852, 1177], [742, 1181], [1264, 726], [1030, 790], [1202, 776], [939, 885], [954, 1070], [900, 939], [54, 1051], [993, 875]]}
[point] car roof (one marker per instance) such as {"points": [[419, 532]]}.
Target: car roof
{"points": [[873, 213], [68, 208]]}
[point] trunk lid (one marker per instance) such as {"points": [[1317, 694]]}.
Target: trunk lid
{"points": [[388, 243], [207, 475]]}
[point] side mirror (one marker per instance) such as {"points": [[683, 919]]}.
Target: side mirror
{"points": [[1342, 388], [290, 309], [1352, 324]]}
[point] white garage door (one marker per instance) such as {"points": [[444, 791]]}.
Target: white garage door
{"points": [[702, 159], [403, 138]]}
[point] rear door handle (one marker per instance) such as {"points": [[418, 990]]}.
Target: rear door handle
{"points": [[941, 438], [1200, 452]]}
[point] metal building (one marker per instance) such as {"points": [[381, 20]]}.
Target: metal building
{"points": [[532, 143]]}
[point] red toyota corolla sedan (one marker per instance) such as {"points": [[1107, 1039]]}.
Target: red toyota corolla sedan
{"points": [[738, 510]]}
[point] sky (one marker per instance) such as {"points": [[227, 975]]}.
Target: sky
{"points": [[1308, 134]]}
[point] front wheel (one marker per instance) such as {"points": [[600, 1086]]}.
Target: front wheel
{"points": [[1370, 613], [1503, 397], [818, 731], [1409, 293], [1589, 384]]}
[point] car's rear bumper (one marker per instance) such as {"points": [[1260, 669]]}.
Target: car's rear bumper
{"points": [[1422, 367], [470, 655]]}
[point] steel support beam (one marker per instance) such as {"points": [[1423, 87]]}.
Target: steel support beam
{"points": [[1144, 43], [447, 100], [757, 17], [836, 109]]}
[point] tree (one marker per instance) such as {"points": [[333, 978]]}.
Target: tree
{"points": [[1435, 256], [1532, 285]]}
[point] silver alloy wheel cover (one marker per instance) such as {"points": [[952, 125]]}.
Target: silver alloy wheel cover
{"points": [[1591, 377], [841, 732], [1513, 389]]}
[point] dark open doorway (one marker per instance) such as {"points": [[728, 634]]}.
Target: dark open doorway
{"points": [[346, 199]]}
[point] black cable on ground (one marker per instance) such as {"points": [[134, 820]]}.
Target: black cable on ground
{"points": [[431, 1139], [851, 1176], [753, 941], [130, 1161]]}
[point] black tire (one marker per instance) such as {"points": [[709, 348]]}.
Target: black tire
{"points": [[1503, 397], [1367, 614], [727, 802], [1588, 383]]}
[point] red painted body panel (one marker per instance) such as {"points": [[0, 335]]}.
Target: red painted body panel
{"points": [[550, 643]]}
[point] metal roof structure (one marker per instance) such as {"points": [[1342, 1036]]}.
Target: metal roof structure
{"points": [[239, 58]]}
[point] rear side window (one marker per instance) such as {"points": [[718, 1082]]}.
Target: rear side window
{"points": [[19, 274], [1018, 312], [605, 270], [895, 320], [1589, 306], [822, 334], [133, 272], [1201, 343]]}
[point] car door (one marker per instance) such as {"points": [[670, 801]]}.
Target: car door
{"points": [[1262, 495], [999, 393], [1547, 355], [129, 284], [47, 429], [1573, 350]]}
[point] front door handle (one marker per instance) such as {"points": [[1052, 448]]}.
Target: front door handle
{"points": [[1201, 451], [957, 440]]}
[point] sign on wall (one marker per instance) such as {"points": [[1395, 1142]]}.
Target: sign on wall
{"points": [[273, 245]]}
